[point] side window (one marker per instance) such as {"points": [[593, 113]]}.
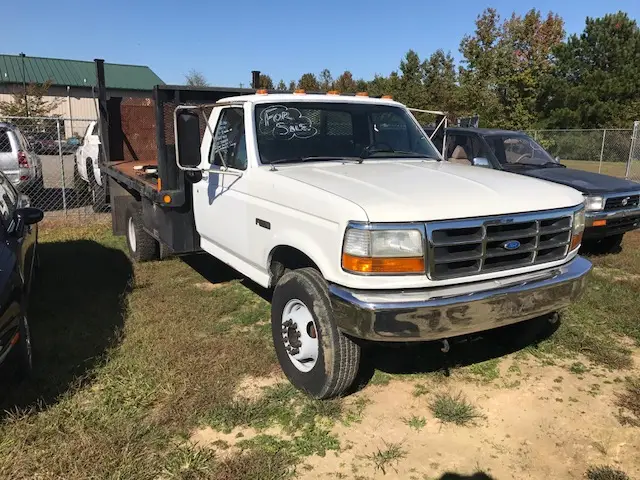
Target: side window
{"points": [[478, 148], [229, 140], [459, 147], [95, 130], [5, 144], [8, 201]]}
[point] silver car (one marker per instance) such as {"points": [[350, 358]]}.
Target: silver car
{"points": [[18, 162]]}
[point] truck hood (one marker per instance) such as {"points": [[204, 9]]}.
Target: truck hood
{"points": [[587, 182], [409, 190]]}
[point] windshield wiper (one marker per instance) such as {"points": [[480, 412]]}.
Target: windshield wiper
{"points": [[368, 153], [553, 164], [309, 159]]}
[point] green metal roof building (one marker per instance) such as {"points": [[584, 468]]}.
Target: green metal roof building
{"points": [[74, 73], [71, 90]]}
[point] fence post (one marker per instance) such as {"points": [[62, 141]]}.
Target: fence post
{"points": [[634, 137], [604, 135], [64, 190]]}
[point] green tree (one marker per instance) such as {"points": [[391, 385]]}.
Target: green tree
{"points": [[309, 82], [33, 104], [281, 85], [596, 80], [362, 85], [411, 89], [196, 79], [292, 85], [441, 83], [265, 82], [345, 83], [326, 80], [505, 64]]}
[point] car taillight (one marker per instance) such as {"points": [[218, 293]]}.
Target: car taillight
{"points": [[22, 160]]}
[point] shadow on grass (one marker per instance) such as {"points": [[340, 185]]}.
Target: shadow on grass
{"points": [[427, 357], [76, 311], [215, 271]]}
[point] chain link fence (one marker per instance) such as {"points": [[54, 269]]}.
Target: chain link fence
{"points": [[597, 150], [633, 165], [38, 155]]}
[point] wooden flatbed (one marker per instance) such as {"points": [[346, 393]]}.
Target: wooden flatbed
{"points": [[132, 169]]}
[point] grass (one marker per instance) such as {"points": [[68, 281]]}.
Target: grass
{"points": [[415, 422], [486, 371], [615, 169], [454, 408], [629, 403], [130, 360], [606, 473], [387, 457], [603, 323]]}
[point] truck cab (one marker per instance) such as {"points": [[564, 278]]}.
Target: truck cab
{"points": [[345, 209]]}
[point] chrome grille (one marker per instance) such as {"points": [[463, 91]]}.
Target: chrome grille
{"points": [[470, 247], [621, 202]]}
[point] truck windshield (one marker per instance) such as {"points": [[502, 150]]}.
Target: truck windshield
{"points": [[519, 150], [323, 131]]}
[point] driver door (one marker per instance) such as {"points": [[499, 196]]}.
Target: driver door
{"points": [[220, 199]]}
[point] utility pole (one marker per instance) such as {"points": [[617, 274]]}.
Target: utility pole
{"points": [[24, 84]]}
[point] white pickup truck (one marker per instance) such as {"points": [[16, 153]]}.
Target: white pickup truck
{"points": [[344, 208], [87, 178]]}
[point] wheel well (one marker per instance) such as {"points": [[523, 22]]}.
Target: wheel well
{"points": [[283, 258]]}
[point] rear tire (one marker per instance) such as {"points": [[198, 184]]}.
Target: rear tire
{"points": [[142, 246], [314, 355], [79, 185], [99, 193]]}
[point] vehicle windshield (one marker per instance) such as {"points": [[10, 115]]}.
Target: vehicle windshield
{"points": [[519, 150], [325, 131]]}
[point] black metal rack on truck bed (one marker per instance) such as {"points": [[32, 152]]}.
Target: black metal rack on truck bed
{"points": [[139, 159]]}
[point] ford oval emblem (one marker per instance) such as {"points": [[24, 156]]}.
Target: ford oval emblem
{"points": [[511, 245]]}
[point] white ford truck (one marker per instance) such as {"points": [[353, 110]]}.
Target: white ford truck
{"points": [[344, 208]]}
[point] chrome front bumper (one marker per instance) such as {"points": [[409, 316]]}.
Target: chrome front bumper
{"points": [[432, 314], [618, 221]]}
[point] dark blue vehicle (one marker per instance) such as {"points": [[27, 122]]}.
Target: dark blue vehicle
{"points": [[18, 255]]}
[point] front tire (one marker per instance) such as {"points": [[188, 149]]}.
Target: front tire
{"points": [[314, 355], [142, 246], [24, 349]]}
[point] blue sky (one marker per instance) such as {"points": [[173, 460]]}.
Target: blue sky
{"points": [[225, 40]]}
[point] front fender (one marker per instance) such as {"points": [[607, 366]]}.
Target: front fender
{"points": [[307, 243]]}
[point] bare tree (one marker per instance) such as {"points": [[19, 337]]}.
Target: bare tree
{"points": [[196, 79]]}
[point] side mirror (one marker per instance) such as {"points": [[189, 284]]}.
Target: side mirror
{"points": [[481, 162], [29, 215], [558, 159], [188, 141]]}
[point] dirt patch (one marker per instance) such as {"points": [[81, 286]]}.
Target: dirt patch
{"points": [[553, 425], [225, 445], [208, 286], [251, 388]]}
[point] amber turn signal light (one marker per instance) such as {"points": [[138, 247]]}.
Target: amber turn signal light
{"points": [[382, 265], [599, 223], [576, 240]]}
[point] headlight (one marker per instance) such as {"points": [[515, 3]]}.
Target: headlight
{"points": [[594, 203], [383, 251], [577, 229]]}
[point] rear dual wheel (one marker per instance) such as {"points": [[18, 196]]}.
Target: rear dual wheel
{"points": [[142, 246], [314, 355]]}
